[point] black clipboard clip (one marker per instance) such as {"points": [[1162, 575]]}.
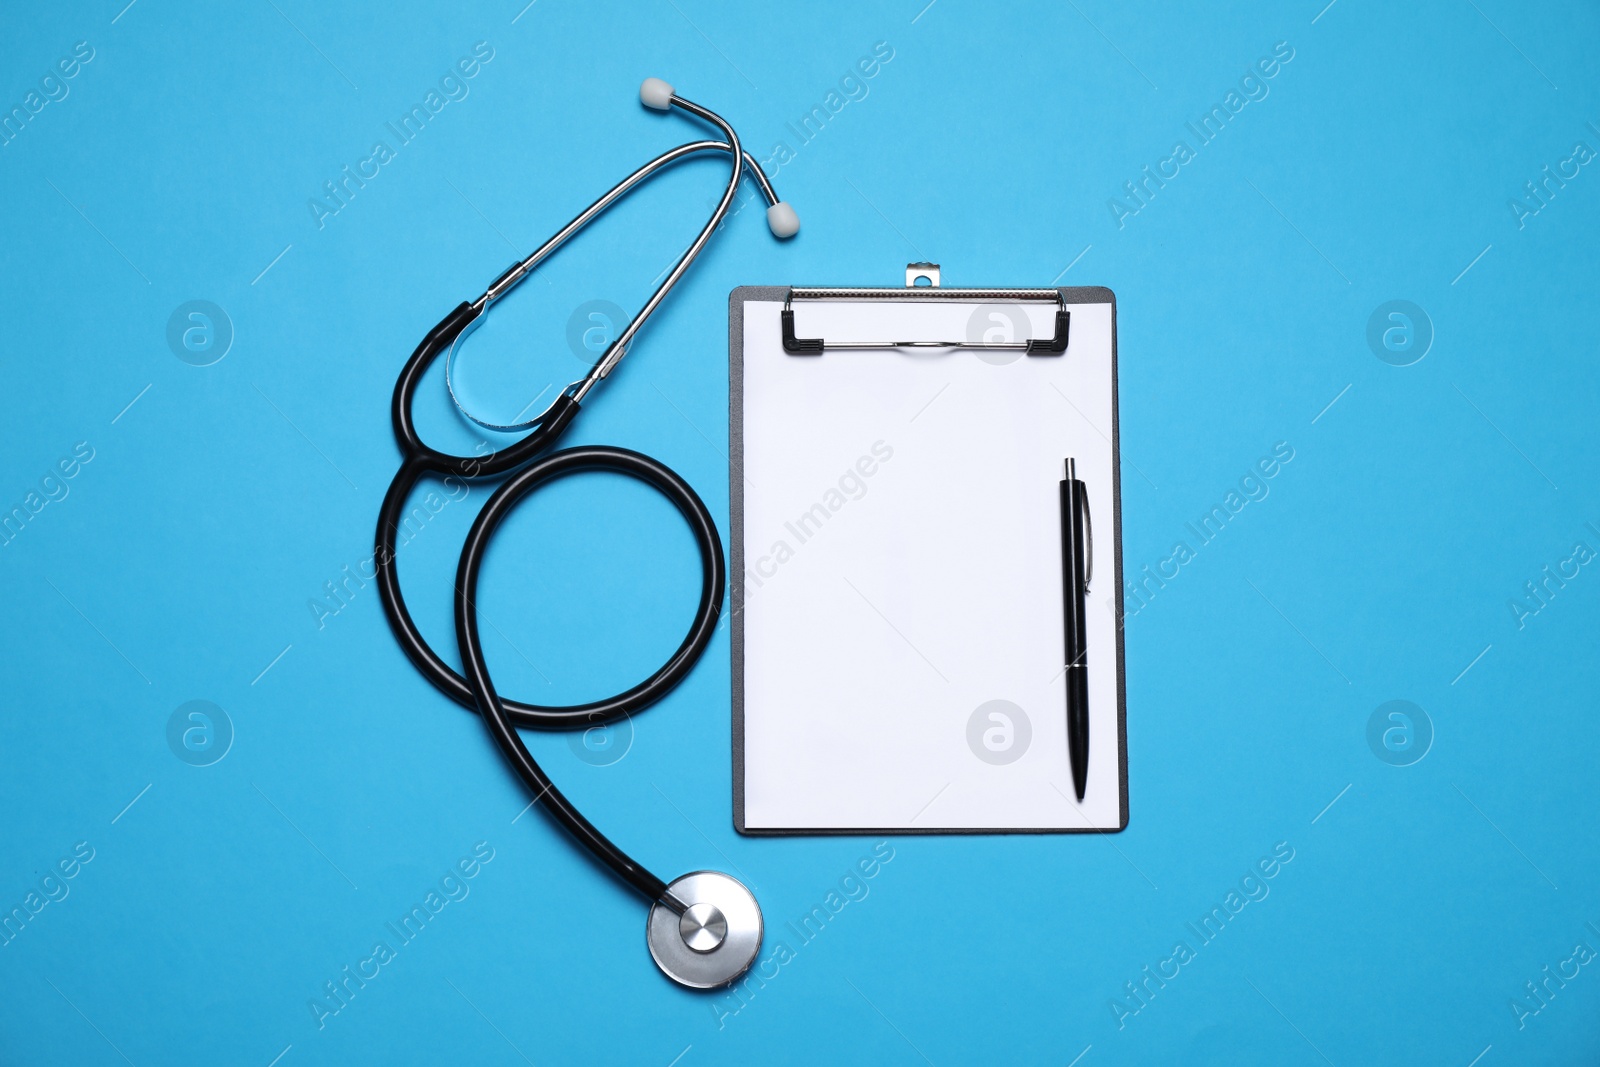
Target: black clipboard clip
{"points": [[922, 284]]}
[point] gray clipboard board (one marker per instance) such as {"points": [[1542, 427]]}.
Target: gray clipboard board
{"points": [[771, 732]]}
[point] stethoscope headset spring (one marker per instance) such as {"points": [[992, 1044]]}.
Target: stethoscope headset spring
{"points": [[705, 928]]}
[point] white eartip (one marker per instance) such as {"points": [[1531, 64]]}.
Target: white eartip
{"points": [[782, 220], [655, 93]]}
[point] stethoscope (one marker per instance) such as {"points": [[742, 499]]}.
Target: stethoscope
{"points": [[704, 929]]}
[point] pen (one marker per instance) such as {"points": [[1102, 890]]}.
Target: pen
{"points": [[1077, 567]]}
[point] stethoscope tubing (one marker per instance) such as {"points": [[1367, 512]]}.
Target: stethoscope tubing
{"points": [[488, 702]]}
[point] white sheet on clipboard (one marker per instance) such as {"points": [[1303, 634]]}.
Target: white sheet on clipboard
{"points": [[901, 568]]}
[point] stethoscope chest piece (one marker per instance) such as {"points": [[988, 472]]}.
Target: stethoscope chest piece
{"points": [[717, 937]]}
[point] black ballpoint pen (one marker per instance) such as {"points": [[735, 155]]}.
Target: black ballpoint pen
{"points": [[1077, 567]]}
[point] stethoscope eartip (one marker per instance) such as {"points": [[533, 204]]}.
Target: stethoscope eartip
{"points": [[782, 220], [716, 937], [655, 93]]}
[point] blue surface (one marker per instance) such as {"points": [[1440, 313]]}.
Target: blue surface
{"points": [[181, 561]]}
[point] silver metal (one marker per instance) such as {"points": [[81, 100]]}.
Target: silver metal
{"points": [[929, 271], [1015, 346], [805, 292], [1088, 522], [676, 940], [742, 163], [702, 927], [926, 294]]}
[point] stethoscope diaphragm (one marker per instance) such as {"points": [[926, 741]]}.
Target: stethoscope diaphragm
{"points": [[717, 937]]}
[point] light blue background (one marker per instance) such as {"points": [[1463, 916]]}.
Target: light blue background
{"points": [[1379, 567]]}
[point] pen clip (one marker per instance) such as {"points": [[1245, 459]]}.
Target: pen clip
{"points": [[1088, 521]]}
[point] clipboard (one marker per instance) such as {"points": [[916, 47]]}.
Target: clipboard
{"points": [[897, 576]]}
